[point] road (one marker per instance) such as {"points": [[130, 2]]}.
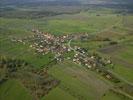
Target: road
{"points": [[104, 30], [107, 29], [120, 78]]}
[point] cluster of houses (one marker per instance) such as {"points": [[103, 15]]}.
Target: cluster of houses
{"points": [[93, 62], [44, 43], [90, 61], [17, 40]]}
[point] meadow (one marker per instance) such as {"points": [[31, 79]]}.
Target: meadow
{"points": [[88, 83], [76, 82], [58, 25], [15, 91]]}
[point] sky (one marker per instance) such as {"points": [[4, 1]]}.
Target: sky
{"points": [[81, 1]]}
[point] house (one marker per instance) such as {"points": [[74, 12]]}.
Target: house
{"points": [[74, 60], [31, 46], [108, 76], [89, 66]]}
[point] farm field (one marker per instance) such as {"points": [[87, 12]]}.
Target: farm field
{"points": [[110, 95], [72, 73], [58, 94], [85, 81], [91, 23], [60, 41], [122, 57], [58, 26], [13, 90]]}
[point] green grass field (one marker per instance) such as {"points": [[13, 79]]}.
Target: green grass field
{"points": [[125, 53], [57, 25], [63, 24], [76, 82], [58, 94], [13, 90], [79, 82], [112, 96], [122, 58]]}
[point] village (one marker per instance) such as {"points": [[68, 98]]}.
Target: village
{"points": [[43, 43]]}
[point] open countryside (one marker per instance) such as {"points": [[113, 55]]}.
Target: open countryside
{"points": [[66, 50]]}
